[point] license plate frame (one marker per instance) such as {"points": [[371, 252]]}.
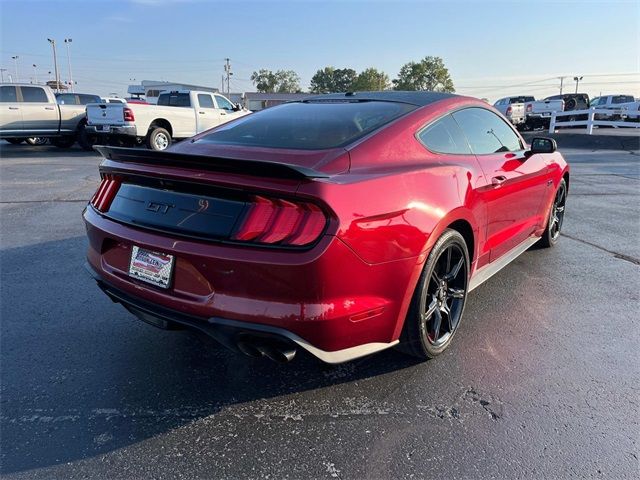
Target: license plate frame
{"points": [[154, 268], [105, 128]]}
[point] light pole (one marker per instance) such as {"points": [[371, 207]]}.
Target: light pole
{"points": [[2, 70], [561, 82], [35, 74], [577, 80], [15, 60], [55, 62], [67, 42]]}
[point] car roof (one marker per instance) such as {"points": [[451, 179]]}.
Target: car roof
{"points": [[419, 99]]}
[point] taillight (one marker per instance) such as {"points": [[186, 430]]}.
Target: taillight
{"points": [[529, 108], [281, 222], [509, 110], [106, 192], [128, 115]]}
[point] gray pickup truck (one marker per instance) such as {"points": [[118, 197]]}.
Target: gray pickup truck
{"points": [[28, 111]]}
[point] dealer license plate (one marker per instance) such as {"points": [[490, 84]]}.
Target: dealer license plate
{"points": [[151, 267]]}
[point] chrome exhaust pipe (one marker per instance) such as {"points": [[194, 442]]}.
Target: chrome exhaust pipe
{"points": [[277, 354], [249, 349]]}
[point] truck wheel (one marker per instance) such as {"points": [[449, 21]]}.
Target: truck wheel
{"points": [[14, 141], [158, 139], [86, 140], [37, 140], [63, 142]]}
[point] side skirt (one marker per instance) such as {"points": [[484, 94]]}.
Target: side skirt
{"points": [[488, 271]]}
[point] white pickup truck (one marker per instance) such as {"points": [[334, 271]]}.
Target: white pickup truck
{"points": [[178, 115], [538, 114], [513, 108]]}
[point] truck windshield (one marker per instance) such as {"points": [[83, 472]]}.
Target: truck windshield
{"points": [[308, 125]]}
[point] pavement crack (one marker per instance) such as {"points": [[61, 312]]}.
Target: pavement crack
{"points": [[618, 255]]}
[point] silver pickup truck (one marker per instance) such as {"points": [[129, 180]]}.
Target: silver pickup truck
{"points": [[514, 108], [28, 111]]}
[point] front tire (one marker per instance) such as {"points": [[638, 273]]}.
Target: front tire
{"points": [[438, 302], [555, 218], [158, 139], [14, 141]]}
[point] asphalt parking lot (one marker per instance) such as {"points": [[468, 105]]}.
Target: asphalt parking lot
{"points": [[542, 380]]}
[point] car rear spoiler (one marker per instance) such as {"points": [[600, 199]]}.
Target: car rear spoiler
{"points": [[215, 164]]}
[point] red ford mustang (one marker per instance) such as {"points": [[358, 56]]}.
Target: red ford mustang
{"points": [[343, 225]]}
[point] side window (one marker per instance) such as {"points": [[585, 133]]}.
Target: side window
{"points": [[486, 132], [34, 94], [224, 103], [86, 99], [444, 136], [64, 99], [205, 101], [8, 95]]}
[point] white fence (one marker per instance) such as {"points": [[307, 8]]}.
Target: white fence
{"points": [[627, 118]]}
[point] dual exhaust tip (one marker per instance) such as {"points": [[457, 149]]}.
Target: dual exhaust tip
{"points": [[265, 347]]}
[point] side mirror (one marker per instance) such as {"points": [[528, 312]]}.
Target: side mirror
{"points": [[237, 107], [543, 145]]}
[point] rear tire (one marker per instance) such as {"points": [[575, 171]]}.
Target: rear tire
{"points": [[86, 140], [158, 139], [438, 302], [37, 140], [555, 218]]}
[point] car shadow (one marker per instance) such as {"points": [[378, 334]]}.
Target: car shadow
{"points": [[81, 377]]}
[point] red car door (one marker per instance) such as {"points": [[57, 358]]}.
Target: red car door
{"points": [[514, 185]]}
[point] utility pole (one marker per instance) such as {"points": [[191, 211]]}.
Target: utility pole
{"points": [[35, 74], [577, 80], [67, 42], [2, 70], [55, 63], [227, 70], [561, 82], [15, 61]]}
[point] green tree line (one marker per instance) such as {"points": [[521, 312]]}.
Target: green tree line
{"points": [[430, 73]]}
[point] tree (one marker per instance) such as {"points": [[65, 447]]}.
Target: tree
{"points": [[331, 80], [371, 79], [282, 81], [428, 74]]}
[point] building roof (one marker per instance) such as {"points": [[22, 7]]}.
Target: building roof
{"points": [[419, 99]]}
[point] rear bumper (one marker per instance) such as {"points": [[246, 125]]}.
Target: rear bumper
{"points": [[229, 332], [325, 300], [129, 130]]}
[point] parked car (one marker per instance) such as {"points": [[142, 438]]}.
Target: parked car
{"points": [[572, 101], [539, 113], [342, 224], [613, 102], [514, 108], [33, 111], [177, 115]]}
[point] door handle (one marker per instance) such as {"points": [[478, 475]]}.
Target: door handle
{"points": [[223, 113], [201, 113], [14, 108], [499, 180], [48, 108]]}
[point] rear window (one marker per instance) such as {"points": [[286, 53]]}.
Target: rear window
{"points": [[174, 100], [86, 99], [521, 99], [308, 125]]}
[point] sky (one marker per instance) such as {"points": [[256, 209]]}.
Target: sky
{"points": [[491, 48]]}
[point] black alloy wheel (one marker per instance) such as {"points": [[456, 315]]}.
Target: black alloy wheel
{"points": [[556, 216], [438, 304]]}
